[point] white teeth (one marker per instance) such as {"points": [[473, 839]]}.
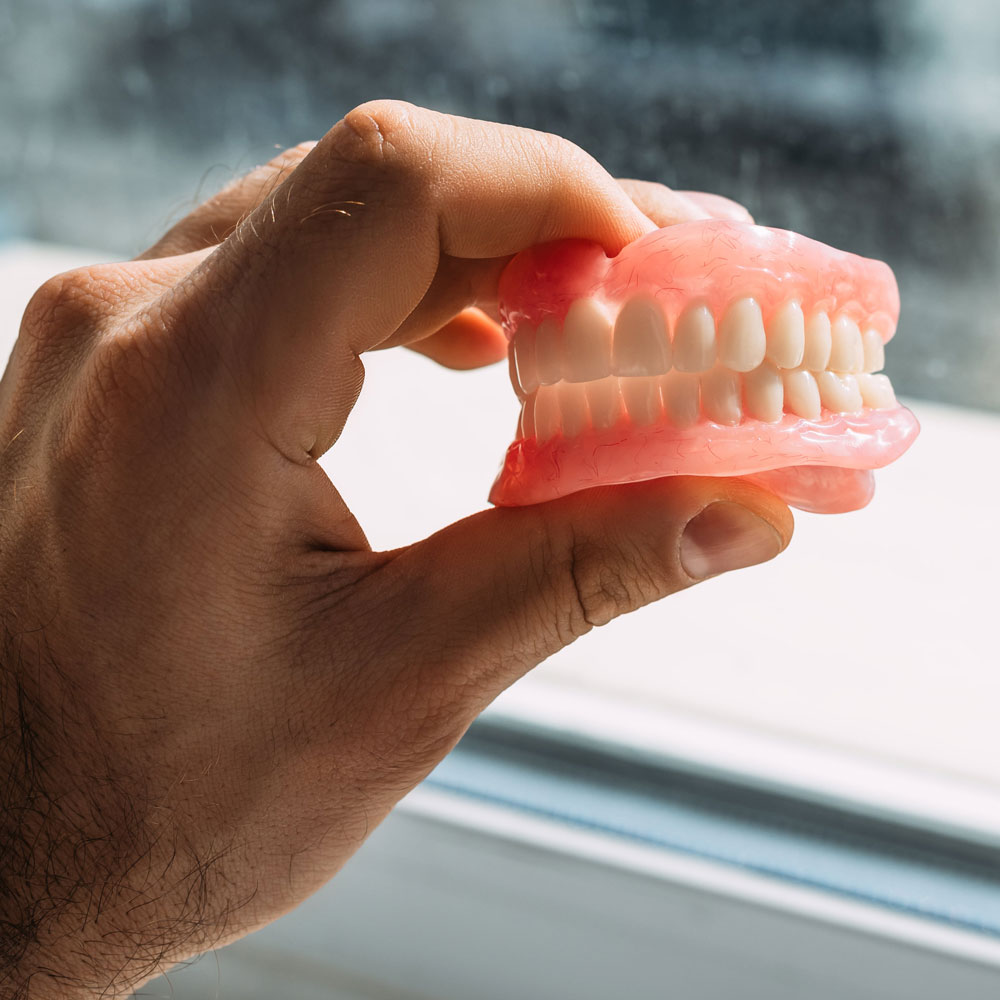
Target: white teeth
{"points": [[642, 399], [811, 365], [547, 413], [641, 343], [846, 352], [839, 393], [680, 398], [876, 391], [764, 393], [694, 340], [741, 336], [527, 421], [786, 336], [817, 342], [720, 396], [524, 355], [605, 401], [547, 359], [573, 406], [802, 394], [586, 342], [874, 349]]}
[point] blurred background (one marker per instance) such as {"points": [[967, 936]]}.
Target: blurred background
{"points": [[873, 126], [857, 674]]}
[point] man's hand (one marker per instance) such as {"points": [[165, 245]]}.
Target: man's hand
{"points": [[211, 689]]}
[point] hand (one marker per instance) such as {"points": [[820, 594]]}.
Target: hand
{"points": [[212, 689]]}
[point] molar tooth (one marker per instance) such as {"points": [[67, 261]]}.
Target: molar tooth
{"points": [[741, 336], [680, 398], [802, 394], [573, 407], [527, 421], [547, 414], [720, 396], [764, 393], [547, 360], [846, 352], [642, 399], [876, 392], [524, 355], [694, 340], [642, 346], [586, 342], [874, 349], [786, 336], [817, 342], [839, 393], [605, 399]]}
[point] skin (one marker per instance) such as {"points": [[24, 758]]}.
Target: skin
{"points": [[211, 688]]}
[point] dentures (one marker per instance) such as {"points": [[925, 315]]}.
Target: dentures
{"points": [[708, 348]]}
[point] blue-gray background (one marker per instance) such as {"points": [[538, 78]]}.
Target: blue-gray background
{"points": [[871, 126]]}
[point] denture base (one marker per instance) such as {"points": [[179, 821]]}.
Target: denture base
{"points": [[817, 465]]}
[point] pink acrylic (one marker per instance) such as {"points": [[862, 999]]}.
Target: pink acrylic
{"points": [[818, 465]]}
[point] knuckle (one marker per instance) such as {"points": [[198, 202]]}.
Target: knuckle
{"points": [[71, 300], [608, 582], [384, 136]]}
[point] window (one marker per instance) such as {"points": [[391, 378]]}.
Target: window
{"points": [[848, 691]]}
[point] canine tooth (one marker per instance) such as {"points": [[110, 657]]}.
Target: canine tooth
{"points": [[741, 336], [641, 345], [801, 394], [720, 396], [817, 342], [694, 340], [786, 336], [524, 356], [846, 352], [874, 349], [642, 399], [681, 398], [527, 421], [547, 413], [765, 396], [839, 393], [547, 361], [876, 392], [573, 407], [586, 342], [605, 401]]}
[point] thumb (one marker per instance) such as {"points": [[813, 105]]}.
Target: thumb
{"points": [[498, 592]]}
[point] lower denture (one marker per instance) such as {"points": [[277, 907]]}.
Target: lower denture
{"points": [[708, 348]]}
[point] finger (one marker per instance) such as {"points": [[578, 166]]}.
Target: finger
{"points": [[214, 220], [470, 340], [663, 205], [333, 262], [719, 207], [502, 590]]}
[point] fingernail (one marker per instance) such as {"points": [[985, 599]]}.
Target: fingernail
{"points": [[726, 536]]}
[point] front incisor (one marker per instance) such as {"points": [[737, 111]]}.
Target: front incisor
{"points": [[786, 336], [742, 342], [641, 343], [586, 342], [694, 340]]}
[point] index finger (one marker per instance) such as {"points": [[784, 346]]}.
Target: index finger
{"points": [[347, 248]]}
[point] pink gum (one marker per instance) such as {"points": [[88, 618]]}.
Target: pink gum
{"points": [[712, 262], [845, 445]]}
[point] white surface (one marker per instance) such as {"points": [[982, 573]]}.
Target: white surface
{"points": [[473, 901], [875, 634]]}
